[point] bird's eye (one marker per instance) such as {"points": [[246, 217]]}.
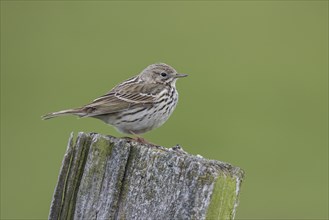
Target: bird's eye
{"points": [[163, 74]]}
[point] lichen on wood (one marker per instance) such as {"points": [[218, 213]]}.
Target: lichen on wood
{"points": [[103, 177]]}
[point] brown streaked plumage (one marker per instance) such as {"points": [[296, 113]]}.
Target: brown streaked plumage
{"points": [[137, 105]]}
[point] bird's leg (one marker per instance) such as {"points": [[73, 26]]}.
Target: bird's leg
{"points": [[140, 139]]}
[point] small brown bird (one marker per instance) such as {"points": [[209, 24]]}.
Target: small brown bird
{"points": [[137, 105]]}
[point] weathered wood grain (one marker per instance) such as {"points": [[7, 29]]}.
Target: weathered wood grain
{"points": [[104, 177]]}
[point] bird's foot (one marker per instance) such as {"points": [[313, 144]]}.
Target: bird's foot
{"points": [[141, 140]]}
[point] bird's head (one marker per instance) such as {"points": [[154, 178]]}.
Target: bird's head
{"points": [[160, 73]]}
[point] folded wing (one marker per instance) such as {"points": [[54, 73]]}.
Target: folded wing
{"points": [[124, 97]]}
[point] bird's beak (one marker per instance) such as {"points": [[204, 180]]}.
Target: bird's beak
{"points": [[180, 75]]}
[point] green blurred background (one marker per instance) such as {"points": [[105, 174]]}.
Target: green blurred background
{"points": [[256, 95]]}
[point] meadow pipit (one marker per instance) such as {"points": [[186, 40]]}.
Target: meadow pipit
{"points": [[137, 105]]}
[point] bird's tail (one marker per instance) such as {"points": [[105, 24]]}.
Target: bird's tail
{"points": [[76, 111]]}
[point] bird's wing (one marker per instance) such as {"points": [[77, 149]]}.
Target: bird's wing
{"points": [[124, 97]]}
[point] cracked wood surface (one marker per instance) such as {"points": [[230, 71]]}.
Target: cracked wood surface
{"points": [[103, 177]]}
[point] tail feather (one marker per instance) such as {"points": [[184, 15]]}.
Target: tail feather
{"points": [[78, 112]]}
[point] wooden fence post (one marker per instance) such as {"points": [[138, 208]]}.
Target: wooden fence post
{"points": [[104, 177]]}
